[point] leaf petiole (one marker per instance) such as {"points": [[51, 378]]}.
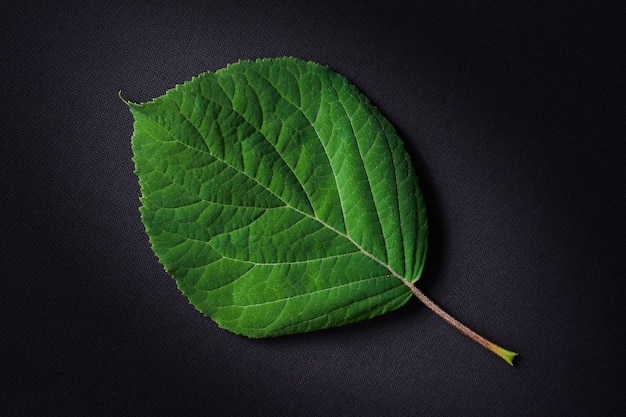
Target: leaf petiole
{"points": [[505, 354]]}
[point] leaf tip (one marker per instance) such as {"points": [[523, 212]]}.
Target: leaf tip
{"points": [[119, 94], [129, 103]]}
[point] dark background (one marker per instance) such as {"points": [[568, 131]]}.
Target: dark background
{"points": [[514, 116]]}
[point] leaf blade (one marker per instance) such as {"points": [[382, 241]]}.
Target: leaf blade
{"points": [[279, 198]]}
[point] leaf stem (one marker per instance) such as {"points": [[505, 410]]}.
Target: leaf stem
{"points": [[505, 354]]}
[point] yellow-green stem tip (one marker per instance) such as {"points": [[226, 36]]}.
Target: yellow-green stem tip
{"points": [[505, 354]]}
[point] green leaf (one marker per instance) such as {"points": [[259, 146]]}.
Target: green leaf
{"points": [[279, 198]]}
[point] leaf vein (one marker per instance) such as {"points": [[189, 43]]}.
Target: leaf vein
{"points": [[366, 171], [263, 135], [319, 137], [215, 157]]}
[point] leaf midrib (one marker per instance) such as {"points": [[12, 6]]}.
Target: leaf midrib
{"points": [[287, 205]]}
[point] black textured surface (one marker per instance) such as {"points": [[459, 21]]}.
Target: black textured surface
{"points": [[515, 118]]}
